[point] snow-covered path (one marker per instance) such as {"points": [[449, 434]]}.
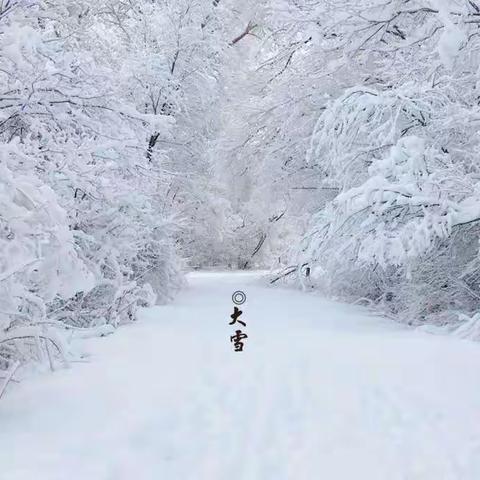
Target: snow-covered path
{"points": [[322, 391]]}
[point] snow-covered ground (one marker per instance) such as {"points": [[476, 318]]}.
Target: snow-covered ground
{"points": [[322, 391]]}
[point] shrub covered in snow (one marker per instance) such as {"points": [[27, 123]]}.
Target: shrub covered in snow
{"points": [[99, 105], [399, 148]]}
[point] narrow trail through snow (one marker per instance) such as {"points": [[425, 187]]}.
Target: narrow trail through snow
{"points": [[322, 391]]}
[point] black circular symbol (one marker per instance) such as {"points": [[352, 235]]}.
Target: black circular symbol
{"points": [[239, 298]]}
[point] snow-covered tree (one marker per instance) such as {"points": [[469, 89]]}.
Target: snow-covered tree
{"points": [[397, 150], [72, 133]]}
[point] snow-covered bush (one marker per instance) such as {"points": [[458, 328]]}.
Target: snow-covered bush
{"points": [[398, 148], [109, 112], [85, 240], [349, 149], [39, 265]]}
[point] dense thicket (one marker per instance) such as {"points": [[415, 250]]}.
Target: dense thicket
{"points": [[365, 141], [334, 138], [107, 110]]}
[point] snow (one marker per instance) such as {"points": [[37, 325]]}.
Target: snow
{"points": [[322, 391], [452, 38]]}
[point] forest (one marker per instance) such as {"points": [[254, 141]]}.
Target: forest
{"points": [[239, 240], [333, 143]]}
